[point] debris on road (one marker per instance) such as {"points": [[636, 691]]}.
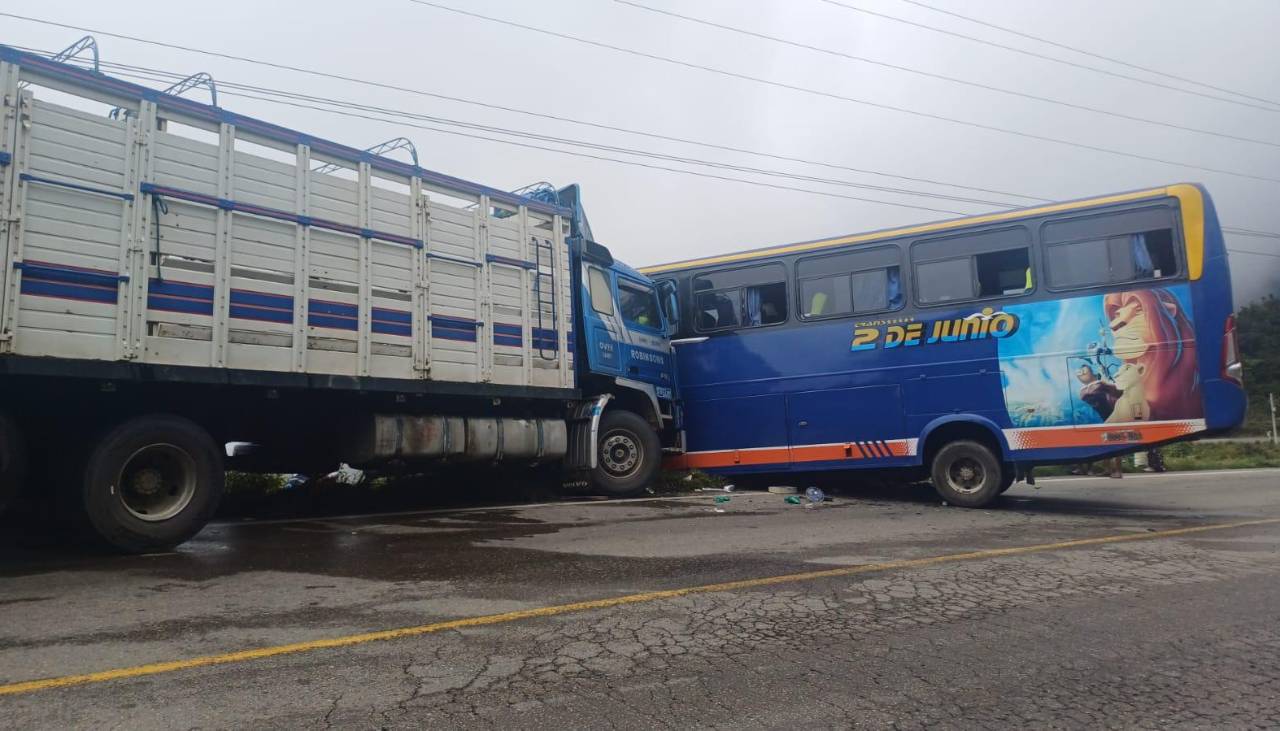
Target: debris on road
{"points": [[783, 490]]}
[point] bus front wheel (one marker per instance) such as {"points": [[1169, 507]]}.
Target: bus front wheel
{"points": [[967, 474]]}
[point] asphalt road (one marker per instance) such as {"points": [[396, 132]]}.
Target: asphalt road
{"points": [[1083, 603]]}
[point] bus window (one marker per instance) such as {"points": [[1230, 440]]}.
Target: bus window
{"points": [[973, 266], [1004, 272], [858, 281], [639, 304], [1078, 264], [747, 297], [1153, 254], [1113, 260], [944, 281], [1112, 248], [826, 296], [601, 292]]}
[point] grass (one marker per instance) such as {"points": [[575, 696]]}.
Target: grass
{"points": [[1192, 456]]}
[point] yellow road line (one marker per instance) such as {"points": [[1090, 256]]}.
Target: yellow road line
{"points": [[261, 653]]}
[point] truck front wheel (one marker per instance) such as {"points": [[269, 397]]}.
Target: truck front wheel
{"points": [[628, 454], [152, 482]]}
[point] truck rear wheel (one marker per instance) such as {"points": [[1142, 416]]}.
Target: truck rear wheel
{"points": [[12, 461], [628, 454], [967, 474], [152, 482]]}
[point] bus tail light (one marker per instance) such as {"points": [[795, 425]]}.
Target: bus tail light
{"points": [[1232, 370]]}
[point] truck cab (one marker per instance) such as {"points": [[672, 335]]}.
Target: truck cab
{"points": [[622, 349]]}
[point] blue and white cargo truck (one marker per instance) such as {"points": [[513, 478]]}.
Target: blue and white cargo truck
{"points": [[178, 277]]}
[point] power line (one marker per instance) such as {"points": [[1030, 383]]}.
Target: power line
{"points": [[513, 110], [285, 102], [284, 98], [839, 97], [1255, 253], [1082, 51], [1251, 232], [156, 74], [943, 77], [402, 123], [1042, 56]]}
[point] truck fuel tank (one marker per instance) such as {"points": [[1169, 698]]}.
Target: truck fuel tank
{"points": [[410, 437]]}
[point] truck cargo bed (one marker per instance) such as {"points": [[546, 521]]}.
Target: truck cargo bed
{"points": [[178, 241]]}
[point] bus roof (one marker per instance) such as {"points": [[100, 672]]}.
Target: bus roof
{"points": [[1182, 191]]}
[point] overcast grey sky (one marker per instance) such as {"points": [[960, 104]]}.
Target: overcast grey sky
{"points": [[649, 216]]}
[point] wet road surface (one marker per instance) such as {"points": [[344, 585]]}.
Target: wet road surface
{"points": [[905, 613]]}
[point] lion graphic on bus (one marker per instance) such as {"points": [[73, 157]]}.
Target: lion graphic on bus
{"points": [[1121, 357]]}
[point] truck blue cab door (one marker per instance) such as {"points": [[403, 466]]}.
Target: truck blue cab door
{"points": [[603, 353], [625, 328]]}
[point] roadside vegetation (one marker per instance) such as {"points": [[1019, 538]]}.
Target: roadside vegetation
{"points": [[1259, 331], [1191, 456]]}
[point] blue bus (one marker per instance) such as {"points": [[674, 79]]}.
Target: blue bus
{"points": [[970, 350]]}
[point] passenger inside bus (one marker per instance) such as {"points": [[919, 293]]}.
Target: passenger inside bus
{"points": [[1153, 254], [764, 304], [866, 291]]}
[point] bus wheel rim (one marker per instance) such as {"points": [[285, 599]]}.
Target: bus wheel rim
{"points": [[620, 454], [157, 482], [966, 475]]}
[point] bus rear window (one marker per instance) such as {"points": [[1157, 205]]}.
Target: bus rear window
{"points": [[1111, 248], [1111, 260]]}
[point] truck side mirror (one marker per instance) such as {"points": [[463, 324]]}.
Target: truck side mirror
{"points": [[670, 305]]}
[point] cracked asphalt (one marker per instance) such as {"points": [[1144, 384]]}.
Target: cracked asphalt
{"points": [[1172, 632]]}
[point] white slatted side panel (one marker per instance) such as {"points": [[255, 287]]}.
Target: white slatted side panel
{"points": [[453, 294], [335, 199], [260, 315], [393, 275], [67, 230], [334, 279], [179, 322], [507, 284], [333, 302], [184, 163]]}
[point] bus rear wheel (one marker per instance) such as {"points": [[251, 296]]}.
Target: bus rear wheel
{"points": [[967, 474], [151, 483], [628, 454]]}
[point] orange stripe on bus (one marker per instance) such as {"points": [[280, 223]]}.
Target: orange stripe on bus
{"points": [[1100, 435], [875, 449]]}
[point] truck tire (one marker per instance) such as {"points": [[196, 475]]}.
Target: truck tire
{"points": [[151, 483], [628, 455], [13, 460], [967, 474]]}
